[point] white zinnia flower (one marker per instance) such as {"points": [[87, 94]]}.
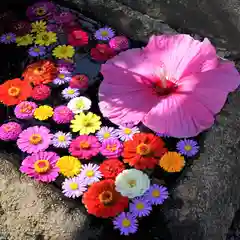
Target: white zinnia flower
{"points": [[79, 104], [132, 183]]}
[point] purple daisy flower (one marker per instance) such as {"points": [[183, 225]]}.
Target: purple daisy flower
{"points": [[37, 51], [140, 207], [162, 135], [111, 148], [156, 194], [8, 38], [63, 77], [25, 110], [188, 147], [106, 133], [126, 222], [61, 139], [74, 187], [90, 173], [67, 65], [10, 131], [62, 115], [104, 34]]}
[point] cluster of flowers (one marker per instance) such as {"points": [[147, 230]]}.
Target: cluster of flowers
{"points": [[119, 182]]}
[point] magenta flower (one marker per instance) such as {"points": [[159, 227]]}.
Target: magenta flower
{"points": [[41, 166], [34, 139], [62, 115], [111, 148], [119, 43], [64, 18], [166, 89], [10, 131], [25, 110]]}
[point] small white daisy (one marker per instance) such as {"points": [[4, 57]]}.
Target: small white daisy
{"points": [[126, 133], [62, 77], [79, 104], [61, 139], [90, 172], [106, 133], [70, 93]]}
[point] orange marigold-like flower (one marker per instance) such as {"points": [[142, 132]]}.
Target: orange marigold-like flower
{"points": [[143, 150], [102, 200], [14, 91], [41, 72]]}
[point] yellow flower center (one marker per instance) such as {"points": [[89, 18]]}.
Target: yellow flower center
{"points": [[8, 37], [7, 128], [41, 166], [26, 108], [126, 222], [14, 91], [104, 33], [143, 149], [111, 147], [84, 145], [61, 76], [36, 50], [188, 147], [80, 104], [45, 37], [90, 173], [127, 131], [35, 139], [64, 50], [155, 193], [106, 197], [132, 183], [70, 91], [40, 11], [73, 186], [61, 138], [106, 135], [140, 206]]}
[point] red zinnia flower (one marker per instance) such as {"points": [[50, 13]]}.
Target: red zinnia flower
{"points": [[14, 91], [102, 200], [77, 38], [41, 92], [102, 52], [143, 151], [79, 81], [111, 168]]}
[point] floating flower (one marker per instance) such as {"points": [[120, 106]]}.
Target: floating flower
{"points": [[41, 166], [73, 187], [162, 135], [70, 93], [61, 139], [188, 147], [102, 200], [127, 133], [63, 51], [66, 64], [86, 123], [178, 86], [111, 148], [10, 131], [119, 43], [78, 38], [79, 81], [132, 183], [24, 40], [43, 112], [172, 162], [106, 133], [8, 38], [39, 26], [69, 166], [34, 139], [64, 18], [14, 91], [25, 110], [156, 194], [140, 207], [90, 173], [143, 151], [62, 115], [51, 27], [20, 28], [126, 222], [79, 104], [37, 51], [104, 34], [41, 72], [110, 168], [62, 77], [84, 147], [41, 92], [102, 52], [46, 38]]}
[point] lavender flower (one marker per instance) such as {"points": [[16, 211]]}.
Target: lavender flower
{"points": [[156, 194], [104, 34], [61, 139], [140, 207], [63, 77], [188, 147], [106, 133], [90, 173], [37, 51]]}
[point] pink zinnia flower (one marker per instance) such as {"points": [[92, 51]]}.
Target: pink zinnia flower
{"points": [[62, 115], [174, 85], [111, 148], [25, 110], [84, 147], [10, 131], [41, 166], [34, 139]]}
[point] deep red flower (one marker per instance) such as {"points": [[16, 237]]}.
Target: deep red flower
{"points": [[110, 168], [77, 38], [102, 200], [102, 52], [79, 81], [41, 92]]}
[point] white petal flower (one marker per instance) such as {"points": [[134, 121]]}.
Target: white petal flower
{"points": [[70, 93], [132, 183], [79, 104]]}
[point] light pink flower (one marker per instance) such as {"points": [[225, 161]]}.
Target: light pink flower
{"points": [[174, 85]]}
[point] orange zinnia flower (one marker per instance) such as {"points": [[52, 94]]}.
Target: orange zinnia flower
{"points": [[143, 150], [14, 91], [41, 72]]}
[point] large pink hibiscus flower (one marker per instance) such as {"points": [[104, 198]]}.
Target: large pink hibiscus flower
{"points": [[175, 85]]}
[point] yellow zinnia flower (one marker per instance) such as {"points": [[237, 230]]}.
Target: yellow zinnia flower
{"points": [[46, 38], [63, 51], [69, 166], [39, 26], [43, 112], [172, 162], [86, 123], [24, 40]]}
